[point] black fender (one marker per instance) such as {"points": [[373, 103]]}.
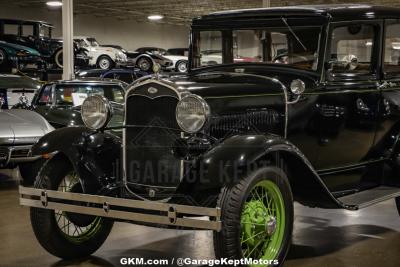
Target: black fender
{"points": [[94, 155], [239, 155]]}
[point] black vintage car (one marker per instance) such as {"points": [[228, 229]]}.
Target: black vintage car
{"points": [[236, 141], [60, 102], [38, 35]]}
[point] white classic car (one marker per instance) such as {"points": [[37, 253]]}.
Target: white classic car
{"points": [[103, 57], [179, 63]]}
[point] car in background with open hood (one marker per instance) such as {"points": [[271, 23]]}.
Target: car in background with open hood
{"points": [[17, 91]]}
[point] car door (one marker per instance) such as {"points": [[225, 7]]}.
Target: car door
{"points": [[389, 114], [347, 106]]}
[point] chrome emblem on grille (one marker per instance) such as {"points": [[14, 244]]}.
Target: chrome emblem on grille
{"points": [[152, 90]]}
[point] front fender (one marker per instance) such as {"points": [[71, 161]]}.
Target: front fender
{"points": [[237, 156], [94, 155]]}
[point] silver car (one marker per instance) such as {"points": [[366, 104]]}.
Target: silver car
{"points": [[19, 130]]}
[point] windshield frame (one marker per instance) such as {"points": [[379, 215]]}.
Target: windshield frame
{"points": [[276, 22]]}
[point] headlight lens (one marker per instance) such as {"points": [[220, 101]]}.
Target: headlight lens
{"points": [[297, 87], [96, 112], [192, 113]]}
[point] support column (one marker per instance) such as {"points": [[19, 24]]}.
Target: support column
{"points": [[266, 3], [68, 42]]}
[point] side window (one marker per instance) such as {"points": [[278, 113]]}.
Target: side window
{"points": [[45, 97], [391, 64], [11, 29], [352, 49], [27, 30]]}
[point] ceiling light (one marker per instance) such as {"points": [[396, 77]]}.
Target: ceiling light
{"points": [[155, 17], [54, 3]]}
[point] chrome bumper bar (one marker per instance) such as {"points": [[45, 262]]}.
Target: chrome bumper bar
{"points": [[118, 208]]}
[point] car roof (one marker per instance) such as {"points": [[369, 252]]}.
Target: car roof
{"points": [[22, 21], [16, 81], [335, 12]]}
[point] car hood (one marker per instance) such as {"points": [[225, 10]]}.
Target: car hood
{"points": [[17, 47], [22, 127]]}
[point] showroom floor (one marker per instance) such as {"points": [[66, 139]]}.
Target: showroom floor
{"points": [[370, 237]]}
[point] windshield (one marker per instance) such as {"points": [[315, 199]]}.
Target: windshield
{"points": [[74, 95], [288, 45], [93, 42]]}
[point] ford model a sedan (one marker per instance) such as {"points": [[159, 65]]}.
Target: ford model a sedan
{"points": [[309, 113]]}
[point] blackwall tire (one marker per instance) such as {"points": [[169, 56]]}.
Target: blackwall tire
{"points": [[181, 66], [105, 63], [46, 223], [240, 212], [144, 64]]}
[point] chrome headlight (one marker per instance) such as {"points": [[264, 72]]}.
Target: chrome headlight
{"points": [[192, 113], [96, 112]]}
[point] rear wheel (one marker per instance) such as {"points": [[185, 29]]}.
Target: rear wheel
{"points": [[66, 235], [257, 218], [144, 64]]}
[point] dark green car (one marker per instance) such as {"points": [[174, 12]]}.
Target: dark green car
{"points": [[15, 57]]}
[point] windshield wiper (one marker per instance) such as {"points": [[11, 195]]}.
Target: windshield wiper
{"points": [[294, 34]]}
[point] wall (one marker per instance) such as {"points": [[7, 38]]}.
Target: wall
{"points": [[127, 33]]}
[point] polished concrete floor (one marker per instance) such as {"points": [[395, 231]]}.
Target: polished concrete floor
{"points": [[331, 238]]}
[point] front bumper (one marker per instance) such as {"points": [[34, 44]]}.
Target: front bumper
{"points": [[123, 209], [11, 155]]}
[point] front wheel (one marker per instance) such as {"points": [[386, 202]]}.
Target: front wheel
{"points": [[105, 63], [257, 218], [66, 235], [58, 59]]}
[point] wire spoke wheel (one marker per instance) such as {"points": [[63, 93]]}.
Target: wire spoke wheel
{"points": [[75, 227], [263, 222]]}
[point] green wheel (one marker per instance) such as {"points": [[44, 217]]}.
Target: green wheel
{"points": [[257, 217], [66, 235]]}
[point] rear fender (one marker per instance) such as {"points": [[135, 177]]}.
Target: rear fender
{"points": [[94, 155], [237, 156]]}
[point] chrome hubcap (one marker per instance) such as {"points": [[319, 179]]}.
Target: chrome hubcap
{"points": [[182, 67], [270, 225], [144, 65], [104, 64]]}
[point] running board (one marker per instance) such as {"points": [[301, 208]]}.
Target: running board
{"points": [[120, 208], [370, 197]]}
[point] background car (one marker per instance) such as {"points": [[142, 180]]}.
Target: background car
{"points": [[101, 56], [17, 91], [19, 130], [179, 63], [15, 57], [143, 59], [38, 35], [60, 102], [125, 75], [178, 51]]}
